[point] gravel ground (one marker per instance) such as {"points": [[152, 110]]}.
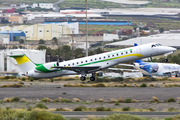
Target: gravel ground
{"points": [[87, 93], [55, 90]]}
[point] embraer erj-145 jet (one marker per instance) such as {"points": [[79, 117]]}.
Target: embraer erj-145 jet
{"points": [[89, 64], [157, 69]]}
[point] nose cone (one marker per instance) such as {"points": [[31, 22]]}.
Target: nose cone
{"points": [[171, 49], [167, 49]]}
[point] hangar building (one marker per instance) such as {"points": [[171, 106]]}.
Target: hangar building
{"points": [[14, 35]]}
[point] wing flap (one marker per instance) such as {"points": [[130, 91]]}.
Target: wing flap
{"points": [[79, 68]]}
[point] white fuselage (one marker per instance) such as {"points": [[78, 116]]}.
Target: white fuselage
{"points": [[104, 60]]}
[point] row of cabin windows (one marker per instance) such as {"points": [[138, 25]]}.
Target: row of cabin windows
{"points": [[99, 58]]}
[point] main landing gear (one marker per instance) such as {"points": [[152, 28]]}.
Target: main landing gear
{"points": [[83, 78], [92, 78], [165, 60]]}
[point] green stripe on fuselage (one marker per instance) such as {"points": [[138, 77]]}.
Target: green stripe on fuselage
{"points": [[42, 68]]}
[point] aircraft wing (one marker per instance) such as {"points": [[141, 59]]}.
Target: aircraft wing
{"points": [[132, 70], [78, 69], [126, 65]]}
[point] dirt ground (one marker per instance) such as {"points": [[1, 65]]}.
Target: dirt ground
{"points": [[33, 92]]}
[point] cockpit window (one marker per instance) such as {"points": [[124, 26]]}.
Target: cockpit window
{"points": [[158, 44], [153, 45]]}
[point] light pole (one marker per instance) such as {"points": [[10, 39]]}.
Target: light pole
{"points": [[72, 30], [86, 31], [57, 56]]}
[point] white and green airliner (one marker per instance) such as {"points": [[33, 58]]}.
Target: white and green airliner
{"points": [[90, 64]]}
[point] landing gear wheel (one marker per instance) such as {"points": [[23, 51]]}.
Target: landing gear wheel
{"points": [[92, 78], [165, 60], [83, 78], [177, 75]]}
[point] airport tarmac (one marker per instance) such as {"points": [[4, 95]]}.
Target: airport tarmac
{"points": [[54, 91], [34, 93]]}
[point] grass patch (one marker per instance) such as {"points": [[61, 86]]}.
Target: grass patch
{"points": [[90, 3], [155, 99], [172, 109], [28, 115], [41, 106], [171, 100], [128, 100], [80, 108], [15, 99], [45, 99], [11, 85], [66, 100], [103, 109], [126, 108], [99, 85], [117, 103], [143, 85], [120, 117]]}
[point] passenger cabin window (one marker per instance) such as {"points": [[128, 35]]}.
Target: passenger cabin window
{"points": [[68, 64], [130, 51], [77, 63], [112, 55], [95, 59], [99, 57], [81, 61], [104, 57], [64, 65], [73, 64], [121, 53], [91, 59], [108, 56], [86, 60], [126, 52], [117, 54]]}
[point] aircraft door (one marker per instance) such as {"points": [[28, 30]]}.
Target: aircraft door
{"points": [[138, 51]]}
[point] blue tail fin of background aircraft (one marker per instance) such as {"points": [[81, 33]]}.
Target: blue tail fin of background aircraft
{"points": [[138, 61]]}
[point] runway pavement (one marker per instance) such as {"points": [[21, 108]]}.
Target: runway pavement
{"points": [[90, 93], [80, 114]]}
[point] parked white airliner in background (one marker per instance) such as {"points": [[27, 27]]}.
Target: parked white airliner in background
{"points": [[157, 69], [89, 64], [152, 68]]}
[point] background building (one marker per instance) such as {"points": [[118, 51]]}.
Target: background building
{"points": [[44, 31], [46, 5], [14, 35], [16, 19]]}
